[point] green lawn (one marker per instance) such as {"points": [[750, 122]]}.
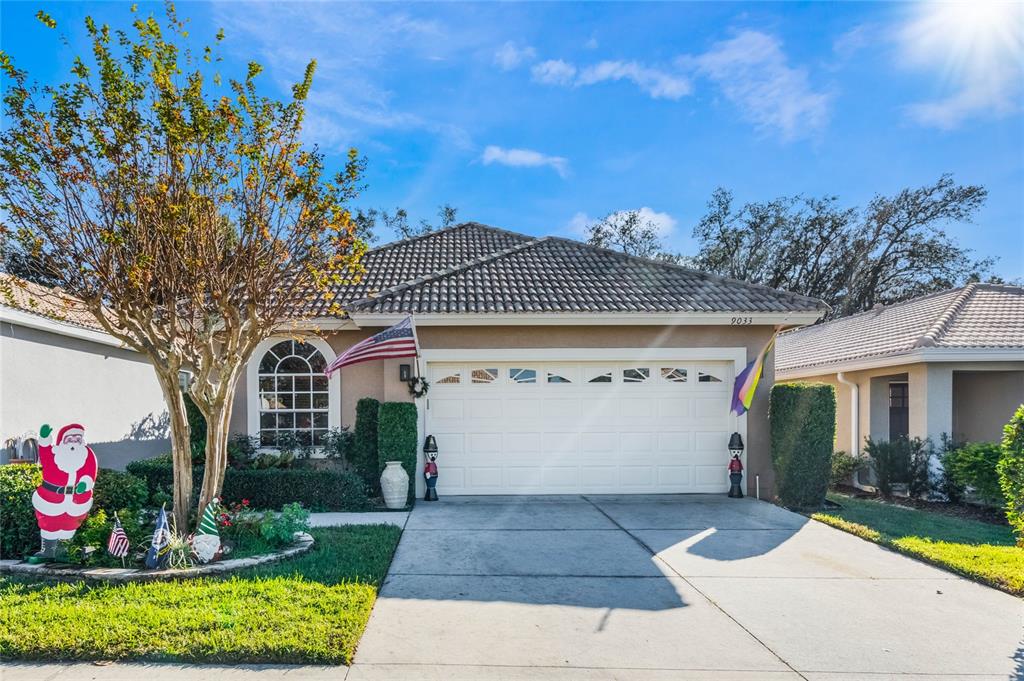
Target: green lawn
{"points": [[984, 552], [311, 609]]}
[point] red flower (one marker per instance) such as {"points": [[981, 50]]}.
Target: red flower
{"points": [[245, 502]]}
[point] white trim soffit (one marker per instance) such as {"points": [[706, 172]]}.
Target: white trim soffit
{"points": [[914, 357], [34, 321], [592, 318]]}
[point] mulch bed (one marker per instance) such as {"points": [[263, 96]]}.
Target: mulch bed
{"points": [[984, 514]]}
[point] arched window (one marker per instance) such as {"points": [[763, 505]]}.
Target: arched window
{"points": [[293, 397]]}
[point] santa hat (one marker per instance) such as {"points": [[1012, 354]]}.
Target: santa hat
{"points": [[70, 429]]}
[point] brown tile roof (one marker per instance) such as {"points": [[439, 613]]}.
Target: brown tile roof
{"points": [[973, 316], [43, 301], [473, 268]]}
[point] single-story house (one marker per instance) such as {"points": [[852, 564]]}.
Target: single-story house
{"points": [[947, 363], [58, 366], [555, 367]]}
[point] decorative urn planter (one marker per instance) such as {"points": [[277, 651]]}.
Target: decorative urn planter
{"points": [[394, 485]]}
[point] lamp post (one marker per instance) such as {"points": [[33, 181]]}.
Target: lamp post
{"points": [[430, 469], [736, 466]]}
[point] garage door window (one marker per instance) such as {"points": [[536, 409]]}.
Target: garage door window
{"points": [[708, 376], [484, 376], [673, 375], [450, 377], [558, 377], [635, 375], [517, 375], [599, 376]]}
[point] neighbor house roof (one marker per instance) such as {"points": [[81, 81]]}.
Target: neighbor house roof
{"points": [[973, 317], [45, 302], [473, 268]]}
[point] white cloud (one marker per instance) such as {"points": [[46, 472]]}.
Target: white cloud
{"points": [[854, 40], [663, 223], [754, 73], [655, 82], [524, 158], [976, 48], [554, 72], [509, 56]]}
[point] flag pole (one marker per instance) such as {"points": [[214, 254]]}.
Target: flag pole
{"points": [[416, 341]]}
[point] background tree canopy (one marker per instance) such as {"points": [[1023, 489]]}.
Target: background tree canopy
{"points": [[893, 249]]}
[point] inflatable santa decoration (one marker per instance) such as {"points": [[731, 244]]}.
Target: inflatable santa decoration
{"points": [[63, 501]]}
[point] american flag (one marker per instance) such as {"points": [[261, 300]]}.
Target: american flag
{"points": [[117, 546], [398, 341]]}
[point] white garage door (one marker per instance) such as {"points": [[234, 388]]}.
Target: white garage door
{"points": [[559, 428]]}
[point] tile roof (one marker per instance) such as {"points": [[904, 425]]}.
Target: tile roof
{"points": [[43, 301], [473, 268], [973, 316]]}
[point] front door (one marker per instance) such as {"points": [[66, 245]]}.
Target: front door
{"points": [[899, 410]]}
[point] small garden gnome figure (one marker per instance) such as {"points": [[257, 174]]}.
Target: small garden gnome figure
{"points": [[430, 469], [64, 498]]}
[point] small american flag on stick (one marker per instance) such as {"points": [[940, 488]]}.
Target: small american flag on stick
{"points": [[398, 341], [117, 545]]}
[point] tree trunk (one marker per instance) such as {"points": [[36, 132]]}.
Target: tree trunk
{"points": [[217, 426], [181, 448]]}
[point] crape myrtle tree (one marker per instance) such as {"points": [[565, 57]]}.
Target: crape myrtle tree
{"points": [[184, 212]]}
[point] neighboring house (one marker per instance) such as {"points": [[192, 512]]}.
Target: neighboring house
{"points": [[57, 366], [555, 367], [947, 363]]}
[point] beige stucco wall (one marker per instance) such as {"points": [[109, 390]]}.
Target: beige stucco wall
{"points": [[983, 401], [50, 378], [380, 379], [964, 399]]}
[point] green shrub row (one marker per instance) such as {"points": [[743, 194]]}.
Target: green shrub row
{"points": [[19, 532], [803, 427], [972, 466], [270, 488], [903, 461], [1011, 472], [364, 443], [397, 438]]}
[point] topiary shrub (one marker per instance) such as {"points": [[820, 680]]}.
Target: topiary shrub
{"points": [[1011, 472], [803, 429], [973, 466], [116, 490], [364, 444], [397, 438], [19, 532]]}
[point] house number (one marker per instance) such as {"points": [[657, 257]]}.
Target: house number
{"points": [[742, 321]]}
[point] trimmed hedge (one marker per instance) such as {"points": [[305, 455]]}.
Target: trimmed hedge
{"points": [[364, 444], [974, 466], [397, 438], [19, 532], [269, 488], [803, 429], [1011, 472], [116, 491]]}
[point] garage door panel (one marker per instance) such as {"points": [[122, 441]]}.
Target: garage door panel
{"points": [[664, 433]]}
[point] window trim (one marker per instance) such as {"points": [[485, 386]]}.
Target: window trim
{"points": [[252, 384]]}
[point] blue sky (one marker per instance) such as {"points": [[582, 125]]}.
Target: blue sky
{"points": [[538, 117]]}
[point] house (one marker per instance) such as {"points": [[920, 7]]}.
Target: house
{"points": [[555, 367], [58, 366], [947, 363]]}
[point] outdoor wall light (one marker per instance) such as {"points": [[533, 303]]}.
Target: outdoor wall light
{"points": [[404, 372]]}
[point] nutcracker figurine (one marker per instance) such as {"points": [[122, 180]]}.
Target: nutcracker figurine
{"points": [[736, 466], [430, 469]]}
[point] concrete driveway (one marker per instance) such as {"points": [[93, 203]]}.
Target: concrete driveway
{"points": [[670, 587]]}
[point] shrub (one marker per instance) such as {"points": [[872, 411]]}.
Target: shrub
{"points": [[903, 461], [1011, 472], [116, 491], [803, 428], [337, 444], [397, 437], [315, 489], [974, 466], [947, 484], [364, 442], [844, 466], [279, 530], [242, 449], [19, 532]]}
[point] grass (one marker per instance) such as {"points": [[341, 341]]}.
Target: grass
{"points": [[981, 551], [311, 609]]}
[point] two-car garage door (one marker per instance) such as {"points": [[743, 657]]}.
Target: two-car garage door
{"points": [[577, 427]]}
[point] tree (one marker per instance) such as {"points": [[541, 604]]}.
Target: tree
{"points": [[851, 258], [630, 232], [397, 223], [189, 219]]}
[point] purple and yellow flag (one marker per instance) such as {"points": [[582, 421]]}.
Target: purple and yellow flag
{"points": [[747, 380]]}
